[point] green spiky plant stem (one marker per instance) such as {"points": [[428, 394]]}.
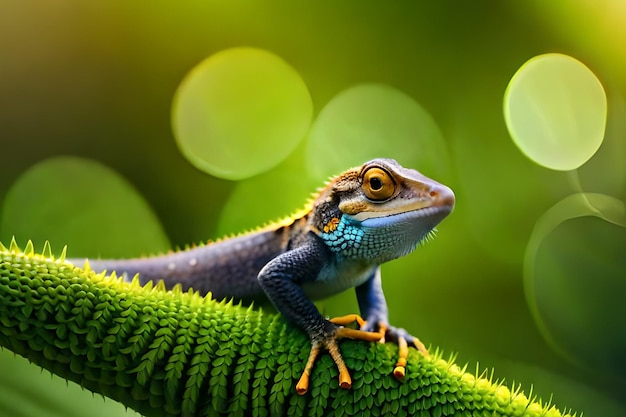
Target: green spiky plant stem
{"points": [[174, 353]]}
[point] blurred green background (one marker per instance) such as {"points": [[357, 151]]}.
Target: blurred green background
{"points": [[521, 278]]}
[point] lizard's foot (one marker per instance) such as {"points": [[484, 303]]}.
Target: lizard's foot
{"points": [[328, 341], [403, 339]]}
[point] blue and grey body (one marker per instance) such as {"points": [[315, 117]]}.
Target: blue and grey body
{"points": [[361, 219]]}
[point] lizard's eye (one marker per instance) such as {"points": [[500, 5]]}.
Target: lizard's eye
{"points": [[378, 184]]}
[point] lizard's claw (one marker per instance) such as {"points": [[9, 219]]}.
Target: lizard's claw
{"points": [[329, 342], [404, 340]]}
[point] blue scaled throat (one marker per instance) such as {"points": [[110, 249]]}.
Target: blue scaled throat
{"points": [[366, 216]]}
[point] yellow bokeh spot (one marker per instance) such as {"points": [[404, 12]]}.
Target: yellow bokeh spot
{"points": [[370, 121], [555, 110], [240, 112]]}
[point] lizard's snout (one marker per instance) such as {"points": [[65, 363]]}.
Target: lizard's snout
{"points": [[442, 196]]}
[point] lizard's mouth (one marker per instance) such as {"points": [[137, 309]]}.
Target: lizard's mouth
{"points": [[424, 218], [437, 211]]}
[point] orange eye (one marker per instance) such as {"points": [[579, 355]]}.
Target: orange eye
{"points": [[378, 184]]}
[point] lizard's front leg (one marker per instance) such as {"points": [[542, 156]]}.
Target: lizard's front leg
{"points": [[281, 279], [374, 309]]}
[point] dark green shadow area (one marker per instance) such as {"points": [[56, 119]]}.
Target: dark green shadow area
{"points": [[575, 279]]}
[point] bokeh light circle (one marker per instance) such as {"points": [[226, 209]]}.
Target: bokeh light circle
{"points": [[555, 110], [575, 280], [240, 112], [84, 204], [375, 121]]}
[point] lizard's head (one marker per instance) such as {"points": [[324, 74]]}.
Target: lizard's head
{"points": [[382, 188], [383, 201]]}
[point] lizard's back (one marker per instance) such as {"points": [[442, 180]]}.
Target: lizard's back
{"points": [[227, 268]]}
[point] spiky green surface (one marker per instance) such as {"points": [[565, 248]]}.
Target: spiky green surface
{"points": [[169, 353]]}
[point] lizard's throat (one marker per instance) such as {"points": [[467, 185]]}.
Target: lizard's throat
{"points": [[381, 239]]}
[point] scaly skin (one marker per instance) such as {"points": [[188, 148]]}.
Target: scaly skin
{"points": [[170, 353], [366, 216]]}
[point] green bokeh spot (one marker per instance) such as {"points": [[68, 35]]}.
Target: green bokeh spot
{"points": [[555, 110], [269, 197], [240, 112], [575, 280], [83, 204], [375, 121]]}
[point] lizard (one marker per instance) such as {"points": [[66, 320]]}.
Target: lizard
{"points": [[362, 218]]}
